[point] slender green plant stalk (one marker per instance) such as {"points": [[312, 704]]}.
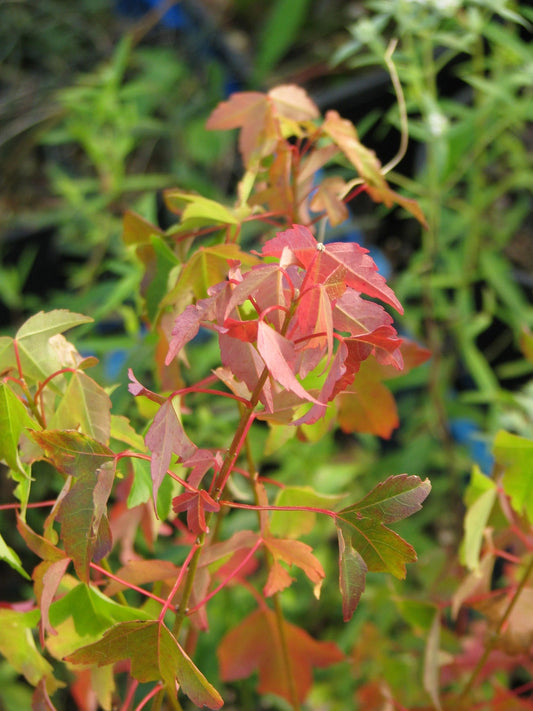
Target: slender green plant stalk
{"points": [[496, 634]]}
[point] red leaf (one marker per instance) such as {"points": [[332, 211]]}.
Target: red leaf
{"points": [[320, 261], [47, 576], [243, 330], [352, 575], [187, 325], [196, 503], [40, 701], [136, 388], [250, 111], [255, 644], [166, 437], [245, 363], [279, 356]]}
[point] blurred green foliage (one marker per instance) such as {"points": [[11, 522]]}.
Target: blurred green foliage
{"points": [[132, 123]]}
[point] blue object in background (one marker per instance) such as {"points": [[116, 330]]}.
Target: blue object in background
{"points": [[200, 39], [174, 17], [466, 432]]}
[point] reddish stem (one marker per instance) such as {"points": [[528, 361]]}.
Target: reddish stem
{"points": [[131, 586], [150, 695], [226, 580], [36, 505], [129, 695], [254, 507], [168, 602]]}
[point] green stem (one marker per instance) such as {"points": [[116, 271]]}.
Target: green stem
{"points": [[280, 620], [225, 470], [496, 634]]}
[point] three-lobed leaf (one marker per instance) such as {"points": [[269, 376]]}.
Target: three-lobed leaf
{"points": [[255, 645], [36, 356], [366, 544], [82, 511], [154, 654]]}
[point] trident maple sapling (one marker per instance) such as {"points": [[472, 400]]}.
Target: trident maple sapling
{"points": [[301, 335]]}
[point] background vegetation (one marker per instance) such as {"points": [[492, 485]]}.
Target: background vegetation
{"points": [[104, 107]]}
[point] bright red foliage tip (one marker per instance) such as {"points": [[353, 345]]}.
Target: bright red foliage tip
{"points": [[304, 314]]}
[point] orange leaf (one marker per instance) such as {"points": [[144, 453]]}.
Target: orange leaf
{"points": [[255, 644], [367, 407]]}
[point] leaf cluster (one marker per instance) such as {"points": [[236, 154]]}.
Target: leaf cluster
{"points": [[296, 321]]}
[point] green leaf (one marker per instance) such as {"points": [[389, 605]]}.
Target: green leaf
{"points": [[122, 431], [280, 30], [293, 524], [14, 418], [18, 647], [514, 453], [365, 543], [92, 612], [431, 677], [198, 209], [155, 655], [37, 359], [480, 497], [208, 266], [86, 406], [165, 262], [82, 511], [382, 550], [392, 500], [11, 558]]}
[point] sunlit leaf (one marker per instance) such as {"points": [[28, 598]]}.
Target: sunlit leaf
{"points": [[12, 558], [137, 230], [208, 266], [37, 358], [359, 269], [367, 406], [295, 553], [365, 543], [476, 518], [14, 418], [86, 406], [82, 511], [293, 524], [514, 453], [18, 647], [392, 500], [92, 611], [155, 655], [166, 437]]}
